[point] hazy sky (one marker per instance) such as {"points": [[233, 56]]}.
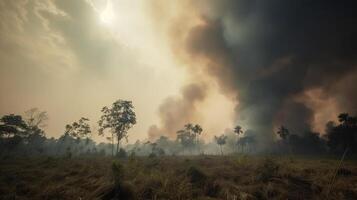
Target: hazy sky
{"points": [[256, 63], [72, 57]]}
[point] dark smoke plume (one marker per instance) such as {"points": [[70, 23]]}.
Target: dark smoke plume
{"points": [[276, 50], [269, 52]]}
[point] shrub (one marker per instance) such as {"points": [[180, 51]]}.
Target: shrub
{"points": [[152, 155], [121, 189], [196, 176], [118, 172], [122, 153]]}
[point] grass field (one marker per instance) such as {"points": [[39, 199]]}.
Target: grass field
{"points": [[196, 177]]}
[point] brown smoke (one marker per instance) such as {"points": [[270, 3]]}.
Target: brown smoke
{"points": [[175, 112], [268, 53]]}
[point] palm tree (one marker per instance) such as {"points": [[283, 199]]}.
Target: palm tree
{"points": [[283, 132], [347, 120], [188, 126], [221, 140], [343, 117], [238, 130], [197, 130]]}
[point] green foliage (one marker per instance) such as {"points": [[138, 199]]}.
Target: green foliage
{"points": [[188, 136], [79, 130], [119, 118], [12, 125]]}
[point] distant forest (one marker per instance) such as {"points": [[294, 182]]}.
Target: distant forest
{"points": [[24, 136]]}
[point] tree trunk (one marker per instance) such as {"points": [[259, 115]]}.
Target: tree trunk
{"points": [[112, 145], [198, 146], [221, 150], [58, 149], [117, 146]]}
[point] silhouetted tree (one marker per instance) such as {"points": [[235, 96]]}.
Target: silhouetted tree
{"points": [[246, 142], [119, 118], [197, 130], [283, 132], [65, 142], [343, 136], [36, 118], [186, 138], [35, 121], [189, 136], [220, 140], [79, 130], [13, 130], [238, 130], [163, 141], [12, 125], [308, 143], [36, 139], [153, 147]]}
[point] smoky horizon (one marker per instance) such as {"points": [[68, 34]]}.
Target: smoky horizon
{"points": [[218, 64]]}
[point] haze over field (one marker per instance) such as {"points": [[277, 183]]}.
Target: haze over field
{"points": [[259, 64], [178, 99]]}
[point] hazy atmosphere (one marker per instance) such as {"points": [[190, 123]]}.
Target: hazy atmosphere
{"points": [[214, 82], [212, 62], [70, 58]]}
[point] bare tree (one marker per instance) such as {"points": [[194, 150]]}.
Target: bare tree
{"points": [[36, 118]]}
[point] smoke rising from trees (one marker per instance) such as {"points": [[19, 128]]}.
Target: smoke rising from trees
{"points": [[268, 54]]}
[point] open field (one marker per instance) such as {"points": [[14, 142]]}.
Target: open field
{"points": [[197, 177]]}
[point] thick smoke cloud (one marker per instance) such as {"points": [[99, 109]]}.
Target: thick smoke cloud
{"points": [[175, 112], [270, 52], [282, 48]]}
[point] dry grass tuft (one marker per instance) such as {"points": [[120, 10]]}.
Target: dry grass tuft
{"points": [[190, 177]]}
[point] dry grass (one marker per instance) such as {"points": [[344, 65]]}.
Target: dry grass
{"points": [[197, 177]]}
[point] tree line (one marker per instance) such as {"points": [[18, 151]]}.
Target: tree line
{"points": [[24, 135]]}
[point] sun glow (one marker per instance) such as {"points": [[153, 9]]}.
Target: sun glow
{"points": [[107, 16]]}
